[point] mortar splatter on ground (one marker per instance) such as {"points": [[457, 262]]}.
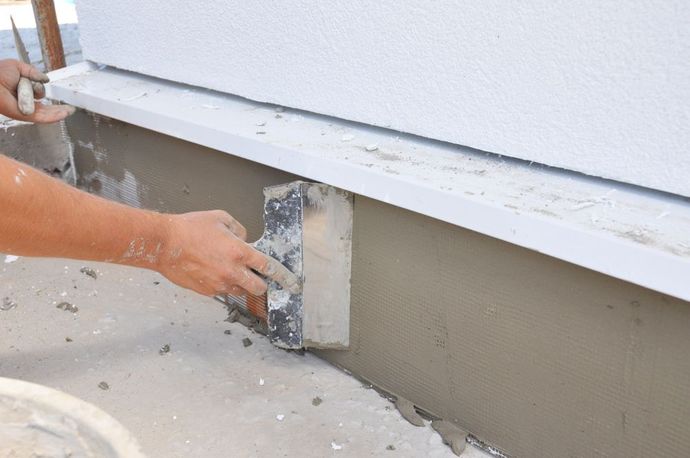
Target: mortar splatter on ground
{"points": [[203, 398]]}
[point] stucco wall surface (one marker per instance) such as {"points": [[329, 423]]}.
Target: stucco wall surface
{"points": [[600, 87]]}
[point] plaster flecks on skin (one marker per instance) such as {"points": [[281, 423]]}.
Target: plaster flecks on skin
{"points": [[153, 256], [20, 174], [135, 248]]}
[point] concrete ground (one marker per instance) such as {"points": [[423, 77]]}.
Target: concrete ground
{"points": [[209, 395]]}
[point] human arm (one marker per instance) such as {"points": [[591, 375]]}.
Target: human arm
{"points": [[202, 251]]}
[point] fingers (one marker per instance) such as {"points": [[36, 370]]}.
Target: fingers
{"points": [[39, 90], [236, 291], [233, 290], [251, 282], [51, 113], [42, 113], [240, 282], [45, 114], [274, 270], [31, 72], [232, 224]]}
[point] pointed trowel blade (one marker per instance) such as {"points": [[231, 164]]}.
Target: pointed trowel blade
{"points": [[19, 44]]}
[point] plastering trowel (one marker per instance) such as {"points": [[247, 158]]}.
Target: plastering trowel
{"points": [[308, 228], [25, 90]]}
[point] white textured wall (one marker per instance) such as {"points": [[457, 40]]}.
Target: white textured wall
{"points": [[601, 87]]}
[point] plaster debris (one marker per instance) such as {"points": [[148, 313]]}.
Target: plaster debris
{"points": [[7, 304], [347, 137], [335, 446], [261, 382], [67, 307], [582, 205], [408, 412], [10, 258], [134, 97], [233, 315], [452, 436], [280, 417], [371, 147], [164, 349], [247, 342], [261, 123], [104, 386], [89, 271]]}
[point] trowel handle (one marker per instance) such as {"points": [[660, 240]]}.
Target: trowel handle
{"points": [[25, 96]]}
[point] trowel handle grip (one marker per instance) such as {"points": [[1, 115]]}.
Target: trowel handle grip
{"points": [[25, 97]]}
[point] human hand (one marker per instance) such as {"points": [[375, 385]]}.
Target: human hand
{"points": [[10, 72], [206, 252]]}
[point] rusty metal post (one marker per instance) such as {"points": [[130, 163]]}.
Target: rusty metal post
{"points": [[49, 34]]}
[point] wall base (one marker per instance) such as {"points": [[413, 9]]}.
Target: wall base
{"points": [[531, 354]]}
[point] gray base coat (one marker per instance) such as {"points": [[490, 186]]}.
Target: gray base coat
{"points": [[153, 171], [530, 354], [39, 145]]}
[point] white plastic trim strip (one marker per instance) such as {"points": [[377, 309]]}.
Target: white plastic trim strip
{"points": [[630, 233]]}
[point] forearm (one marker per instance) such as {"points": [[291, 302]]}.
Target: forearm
{"points": [[42, 216]]}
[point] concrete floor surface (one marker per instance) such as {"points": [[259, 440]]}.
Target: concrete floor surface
{"points": [[209, 395]]}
